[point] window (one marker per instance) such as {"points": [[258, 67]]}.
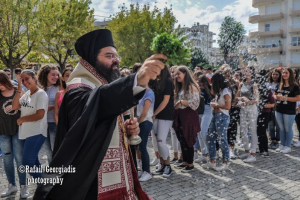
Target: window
{"points": [[273, 9], [267, 27], [296, 41], [296, 5]]}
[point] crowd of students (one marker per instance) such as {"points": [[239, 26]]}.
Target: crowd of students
{"points": [[29, 116], [203, 110]]}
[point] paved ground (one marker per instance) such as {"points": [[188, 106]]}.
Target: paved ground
{"points": [[277, 177]]}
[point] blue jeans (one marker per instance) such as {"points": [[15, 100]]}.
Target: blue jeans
{"points": [[197, 144], [145, 128], [205, 123], [285, 123], [218, 128], [12, 148], [271, 128], [32, 146], [49, 143]]}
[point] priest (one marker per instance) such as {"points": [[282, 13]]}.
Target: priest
{"points": [[91, 134]]}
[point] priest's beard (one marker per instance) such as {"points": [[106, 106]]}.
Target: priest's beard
{"points": [[107, 71]]}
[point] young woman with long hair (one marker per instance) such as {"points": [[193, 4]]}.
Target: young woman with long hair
{"points": [[205, 118], [60, 94], [220, 121], [234, 111], [286, 94], [11, 145], [273, 129], [49, 80], [248, 97], [266, 103], [186, 118], [33, 121], [175, 142], [162, 119]]}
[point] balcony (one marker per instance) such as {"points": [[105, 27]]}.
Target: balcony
{"points": [[295, 29], [295, 12], [272, 64], [259, 34], [256, 17], [294, 64], [265, 49], [257, 3], [294, 46]]}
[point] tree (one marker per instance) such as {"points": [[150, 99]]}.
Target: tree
{"points": [[231, 36], [69, 20], [198, 57], [19, 28], [134, 29]]}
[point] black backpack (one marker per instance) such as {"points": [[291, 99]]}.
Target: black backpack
{"points": [[200, 109]]}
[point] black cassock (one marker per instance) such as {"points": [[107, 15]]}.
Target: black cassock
{"points": [[87, 119]]}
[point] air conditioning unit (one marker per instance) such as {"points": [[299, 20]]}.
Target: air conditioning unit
{"points": [[282, 52], [283, 36]]}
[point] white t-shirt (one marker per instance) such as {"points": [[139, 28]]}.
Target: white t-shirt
{"points": [[29, 105], [221, 100]]}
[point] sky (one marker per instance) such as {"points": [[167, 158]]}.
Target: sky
{"points": [[188, 12]]}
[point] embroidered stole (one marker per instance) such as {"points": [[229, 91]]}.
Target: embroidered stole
{"points": [[115, 180]]}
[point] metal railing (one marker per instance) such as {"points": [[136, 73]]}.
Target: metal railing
{"points": [[264, 13], [269, 45], [295, 43]]}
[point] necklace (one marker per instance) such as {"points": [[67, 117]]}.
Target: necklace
{"points": [[34, 91]]}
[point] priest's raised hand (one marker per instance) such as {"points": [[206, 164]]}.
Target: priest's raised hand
{"points": [[150, 69]]}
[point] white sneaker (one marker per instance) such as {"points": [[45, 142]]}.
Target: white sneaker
{"points": [[244, 155], [209, 165], [231, 154], [296, 144], [154, 162], [139, 164], [24, 192], [145, 177], [250, 159], [279, 148], [9, 190], [202, 159], [222, 167], [286, 150], [140, 173]]}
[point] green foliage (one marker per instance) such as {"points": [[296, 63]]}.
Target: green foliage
{"points": [[231, 35], [172, 47], [134, 29], [19, 29], [63, 22], [198, 57], [37, 57]]}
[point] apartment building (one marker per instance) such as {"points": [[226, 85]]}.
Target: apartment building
{"points": [[277, 33], [200, 37]]}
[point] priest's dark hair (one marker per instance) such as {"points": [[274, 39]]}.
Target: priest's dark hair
{"points": [[43, 74], [4, 80], [158, 85]]}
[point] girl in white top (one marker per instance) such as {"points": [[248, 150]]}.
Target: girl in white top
{"points": [[220, 121], [49, 79], [33, 121]]}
